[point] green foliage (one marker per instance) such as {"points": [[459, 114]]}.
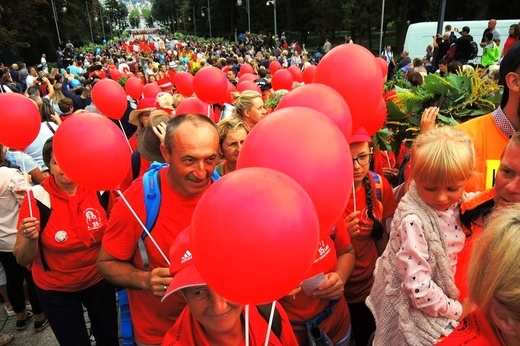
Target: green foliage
{"points": [[459, 97]]}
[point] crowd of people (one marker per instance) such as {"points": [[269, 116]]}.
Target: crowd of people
{"points": [[449, 54], [397, 268]]}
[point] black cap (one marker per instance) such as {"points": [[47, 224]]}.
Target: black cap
{"points": [[263, 84], [510, 63]]}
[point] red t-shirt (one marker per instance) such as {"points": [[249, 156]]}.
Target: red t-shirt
{"points": [[474, 330], [360, 282], [71, 257], [303, 308], [188, 332], [383, 159], [150, 318]]}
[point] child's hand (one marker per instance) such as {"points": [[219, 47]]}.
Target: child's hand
{"points": [[428, 118], [351, 224]]}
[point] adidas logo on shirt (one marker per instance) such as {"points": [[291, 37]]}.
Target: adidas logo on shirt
{"points": [[186, 257]]}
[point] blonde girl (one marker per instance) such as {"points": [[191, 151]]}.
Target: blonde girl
{"points": [[414, 297], [494, 284]]}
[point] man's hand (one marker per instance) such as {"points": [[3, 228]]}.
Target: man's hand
{"points": [[331, 289], [159, 280]]}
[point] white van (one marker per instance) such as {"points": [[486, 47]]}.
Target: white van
{"points": [[419, 35]]}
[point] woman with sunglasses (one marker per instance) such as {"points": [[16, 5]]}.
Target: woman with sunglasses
{"points": [[371, 203]]}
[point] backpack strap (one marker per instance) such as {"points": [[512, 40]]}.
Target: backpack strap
{"points": [[265, 311], [152, 195], [136, 164], [127, 333], [378, 182]]}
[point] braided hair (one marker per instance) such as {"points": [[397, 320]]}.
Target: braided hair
{"points": [[378, 230]]}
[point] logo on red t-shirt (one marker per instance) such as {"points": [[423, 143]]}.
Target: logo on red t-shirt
{"points": [[92, 218]]}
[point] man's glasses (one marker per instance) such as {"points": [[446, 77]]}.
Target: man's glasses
{"points": [[363, 159]]}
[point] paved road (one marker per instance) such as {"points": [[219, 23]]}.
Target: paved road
{"points": [[28, 336]]}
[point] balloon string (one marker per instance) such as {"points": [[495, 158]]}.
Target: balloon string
{"points": [[143, 226], [273, 306], [209, 111], [247, 324], [354, 196], [28, 194], [127, 141]]}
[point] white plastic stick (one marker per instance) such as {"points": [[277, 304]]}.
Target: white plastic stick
{"points": [[247, 325], [354, 196], [28, 194], [127, 141], [388, 159], [271, 316], [143, 226]]}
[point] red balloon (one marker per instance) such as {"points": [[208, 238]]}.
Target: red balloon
{"points": [[229, 97], [193, 105], [92, 151], [248, 77], [282, 79], [115, 74], [245, 68], [151, 90], [20, 120], [248, 85], [360, 87], [308, 74], [134, 87], [274, 66], [323, 99], [110, 98], [383, 65], [184, 83], [308, 147], [377, 120], [296, 73], [210, 84], [272, 256]]}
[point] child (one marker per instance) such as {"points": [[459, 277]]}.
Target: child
{"points": [[491, 51], [371, 202], [414, 297]]}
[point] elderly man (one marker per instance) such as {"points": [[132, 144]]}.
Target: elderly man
{"points": [[475, 211], [210, 319], [191, 150], [490, 133]]}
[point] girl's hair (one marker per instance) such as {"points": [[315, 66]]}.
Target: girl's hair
{"points": [[378, 230], [230, 125], [46, 111], [516, 31], [443, 156], [494, 271], [58, 95], [244, 101]]}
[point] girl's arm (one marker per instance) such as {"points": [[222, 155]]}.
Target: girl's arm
{"points": [[416, 274]]}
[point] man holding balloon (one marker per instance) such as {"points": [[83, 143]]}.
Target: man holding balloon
{"points": [[191, 150]]}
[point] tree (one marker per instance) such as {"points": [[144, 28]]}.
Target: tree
{"points": [[134, 18], [147, 14]]}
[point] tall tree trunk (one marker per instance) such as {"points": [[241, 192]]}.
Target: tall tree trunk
{"points": [[401, 25]]}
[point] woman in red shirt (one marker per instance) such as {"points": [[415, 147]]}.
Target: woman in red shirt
{"points": [[62, 245]]}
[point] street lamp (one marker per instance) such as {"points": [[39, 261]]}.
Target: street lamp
{"points": [[55, 14], [239, 3], [208, 8], [89, 22], [273, 2], [102, 24]]}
